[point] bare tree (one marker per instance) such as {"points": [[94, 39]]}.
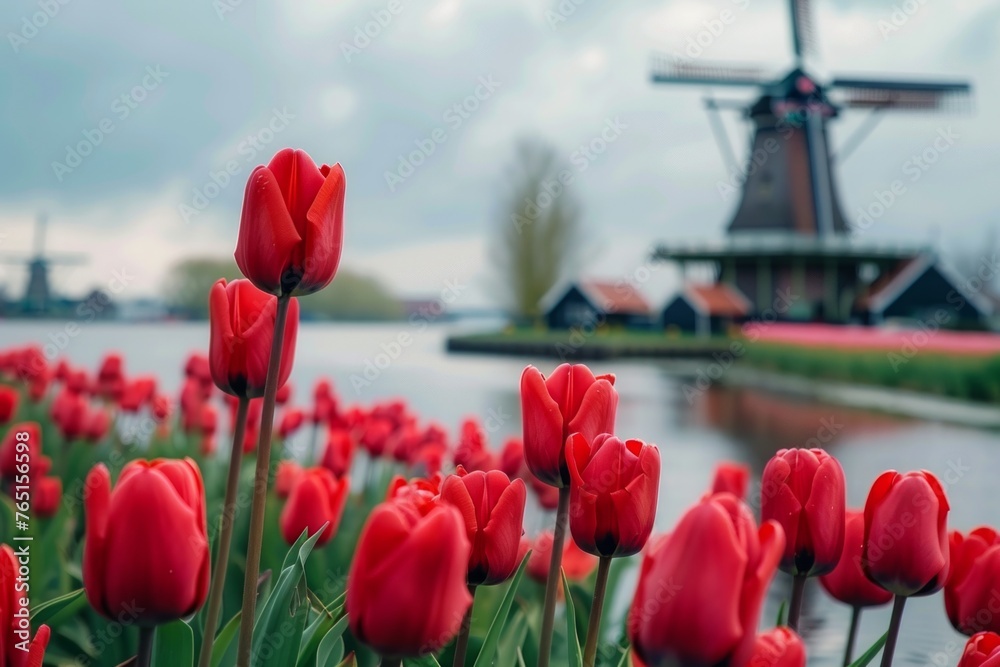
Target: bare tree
{"points": [[538, 229]]}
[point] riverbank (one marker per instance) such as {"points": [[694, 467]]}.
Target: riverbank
{"points": [[588, 346]]}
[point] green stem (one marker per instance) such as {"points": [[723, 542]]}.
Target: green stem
{"points": [[552, 583], [260, 486], [312, 444], [594, 629], [795, 608], [852, 635], [145, 654], [462, 643], [226, 521], [890, 642]]}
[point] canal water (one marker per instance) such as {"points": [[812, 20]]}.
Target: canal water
{"points": [[695, 426]]}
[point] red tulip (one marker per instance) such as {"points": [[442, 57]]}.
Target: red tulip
{"points": [[21, 451], [291, 421], [472, 452], [284, 394], [577, 564], [701, 587], [137, 393], [47, 496], [422, 493], [429, 458], [77, 381], [375, 436], [982, 650], [161, 408], [317, 498], [14, 626], [70, 413], [512, 459], [571, 400], [339, 452], [848, 582], [970, 595], [803, 490], [292, 226], [731, 477], [286, 477], [779, 647], [406, 590], [111, 377], [97, 425], [493, 509], [146, 550], [8, 404], [324, 403], [242, 320], [906, 533], [613, 491]]}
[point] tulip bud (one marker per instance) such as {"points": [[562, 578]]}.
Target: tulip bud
{"points": [[982, 650], [286, 477], [292, 226], [47, 495], [291, 421], [571, 400], [20, 450], [317, 498], [339, 452], [15, 650], [242, 320], [715, 547], [146, 546], [493, 509], [848, 583], [8, 404], [803, 491], [731, 477], [906, 533], [970, 595], [613, 491], [407, 591], [780, 647]]}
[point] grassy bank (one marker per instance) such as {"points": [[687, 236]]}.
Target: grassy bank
{"points": [[972, 378]]}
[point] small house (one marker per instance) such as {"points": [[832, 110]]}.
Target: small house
{"points": [[705, 309], [589, 303]]}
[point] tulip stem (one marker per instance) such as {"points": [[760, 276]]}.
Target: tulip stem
{"points": [[795, 608], [552, 583], [145, 653], [226, 521], [852, 635], [594, 628], [312, 444], [894, 622], [261, 473], [462, 643]]}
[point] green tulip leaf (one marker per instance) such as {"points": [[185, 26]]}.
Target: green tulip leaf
{"points": [[489, 648], [624, 661], [225, 639], [330, 650], [349, 661], [422, 661], [870, 654], [313, 635], [513, 639], [781, 615], [282, 620], [520, 658], [57, 609], [173, 645], [575, 654]]}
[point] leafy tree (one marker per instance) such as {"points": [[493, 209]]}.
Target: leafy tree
{"points": [[350, 296], [538, 230]]}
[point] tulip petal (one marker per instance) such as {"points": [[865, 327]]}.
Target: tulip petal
{"points": [[543, 429], [97, 499], [324, 234], [267, 236], [597, 411]]}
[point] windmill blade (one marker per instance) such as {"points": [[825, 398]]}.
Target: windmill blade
{"points": [[668, 69], [802, 29], [904, 95]]}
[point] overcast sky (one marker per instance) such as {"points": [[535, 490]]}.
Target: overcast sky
{"points": [[175, 91]]}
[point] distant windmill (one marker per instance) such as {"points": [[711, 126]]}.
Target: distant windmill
{"points": [[794, 110], [788, 234], [38, 294]]}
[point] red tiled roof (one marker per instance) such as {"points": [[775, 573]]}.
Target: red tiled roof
{"points": [[718, 300], [620, 298]]}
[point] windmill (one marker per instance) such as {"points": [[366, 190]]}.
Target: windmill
{"points": [[789, 229], [37, 293]]}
